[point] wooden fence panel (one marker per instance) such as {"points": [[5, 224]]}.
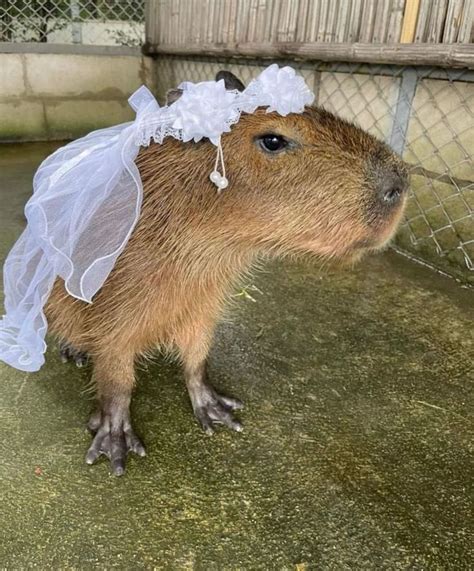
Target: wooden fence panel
{"points": [[315, 28], [335, 21]]}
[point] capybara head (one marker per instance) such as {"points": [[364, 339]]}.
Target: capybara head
{"points": [[314, 181], [308, 182]]}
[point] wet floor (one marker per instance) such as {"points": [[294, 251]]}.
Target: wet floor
{"points": [[358, 441]]}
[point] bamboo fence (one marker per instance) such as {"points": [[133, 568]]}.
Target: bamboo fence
{"points": [[431, 32]]}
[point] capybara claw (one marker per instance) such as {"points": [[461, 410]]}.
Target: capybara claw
{"points": [[68, 353]]}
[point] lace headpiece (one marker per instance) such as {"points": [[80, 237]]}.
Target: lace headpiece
{"points": [[87, 197]]}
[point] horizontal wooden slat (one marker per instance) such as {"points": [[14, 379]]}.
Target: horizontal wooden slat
{"points": [[441, 55]]}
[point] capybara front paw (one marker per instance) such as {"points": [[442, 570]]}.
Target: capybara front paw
{"points": [[211, 408], [114, 438]]}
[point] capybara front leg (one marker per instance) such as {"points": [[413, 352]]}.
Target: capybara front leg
{"points": [[113, 433]]}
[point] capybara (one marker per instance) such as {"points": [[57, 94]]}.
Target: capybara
{"points": [[308, 183]]}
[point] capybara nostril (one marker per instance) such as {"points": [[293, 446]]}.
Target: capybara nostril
{"points": [[392, 188]]}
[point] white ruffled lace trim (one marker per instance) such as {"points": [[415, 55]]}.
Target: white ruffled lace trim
{"points": [[207, 109]]}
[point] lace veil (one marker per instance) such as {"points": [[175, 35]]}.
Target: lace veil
{"points": [[87, 198]]}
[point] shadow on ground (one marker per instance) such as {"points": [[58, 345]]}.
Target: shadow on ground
{"points": [[356, 454]]}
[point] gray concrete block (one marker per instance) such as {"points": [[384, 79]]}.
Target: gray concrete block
{"points": [[12, 82], [75, 117], [22, 120]]}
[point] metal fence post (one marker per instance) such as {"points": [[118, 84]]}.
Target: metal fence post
{"points": [[76, 23], [401, 118]]}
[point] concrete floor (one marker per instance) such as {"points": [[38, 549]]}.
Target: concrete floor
{"points": [[356, 454]]}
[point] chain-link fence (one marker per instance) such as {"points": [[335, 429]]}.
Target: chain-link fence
{"points": [[99, 22], [426, 114]]}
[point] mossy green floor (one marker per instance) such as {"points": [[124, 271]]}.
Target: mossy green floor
{"points": [[356, 454]]}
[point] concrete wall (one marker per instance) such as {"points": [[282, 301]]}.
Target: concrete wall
{"points": [[48, 96]]}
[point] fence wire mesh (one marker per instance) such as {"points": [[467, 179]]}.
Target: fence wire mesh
{"points": [[425, 114], [99, 22]]}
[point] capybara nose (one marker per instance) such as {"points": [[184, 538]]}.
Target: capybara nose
{"points": [[392, 187]]}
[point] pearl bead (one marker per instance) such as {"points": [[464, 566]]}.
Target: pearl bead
{"points": [[223, 183], [215, 177]]}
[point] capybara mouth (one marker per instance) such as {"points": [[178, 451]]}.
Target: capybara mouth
{"points": [[390, 225]]}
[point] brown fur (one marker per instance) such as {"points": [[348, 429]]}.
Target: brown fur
{"points": [[192, 244]]}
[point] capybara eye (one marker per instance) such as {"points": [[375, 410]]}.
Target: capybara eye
{"points": [[272, 143]]}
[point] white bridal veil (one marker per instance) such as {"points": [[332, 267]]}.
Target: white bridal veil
{"points": [[87, 198]]}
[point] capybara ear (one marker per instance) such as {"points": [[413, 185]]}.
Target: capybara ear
{"points": [[230, 80], [173, 95]]}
